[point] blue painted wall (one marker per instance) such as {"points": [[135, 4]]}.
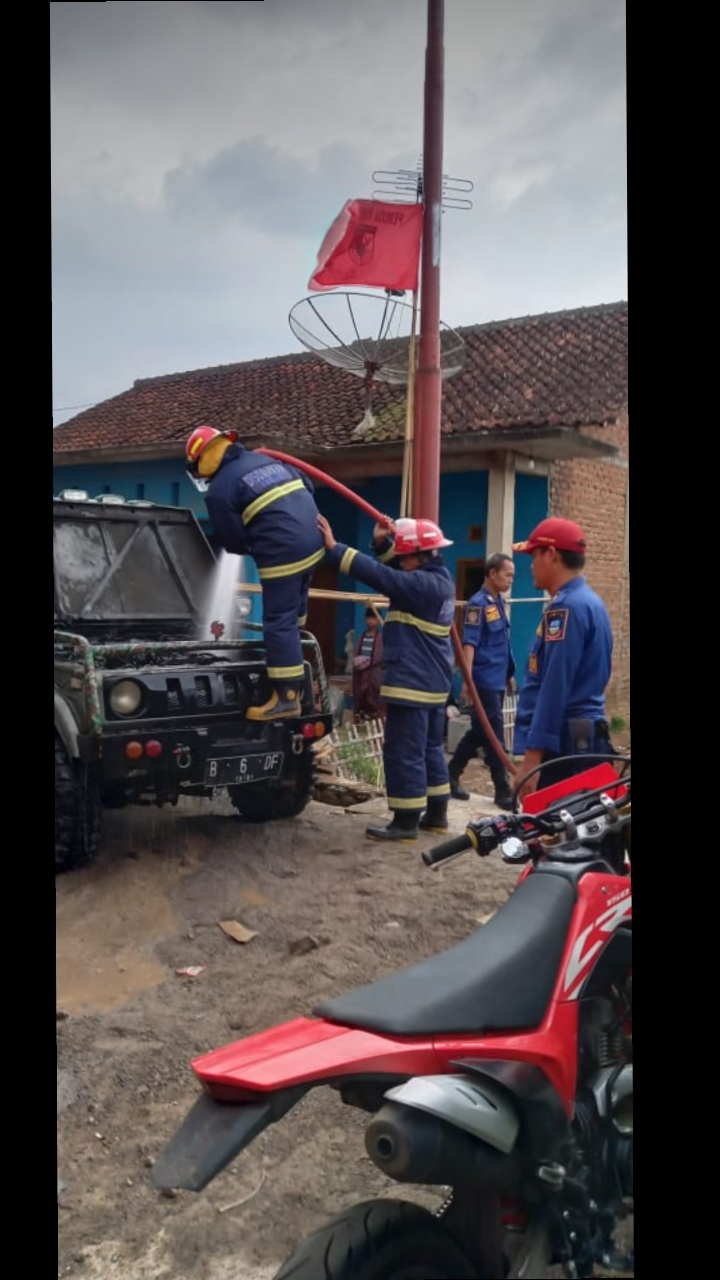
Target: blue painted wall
{"points": [[531, 506], [164, 482], [463, 502]]}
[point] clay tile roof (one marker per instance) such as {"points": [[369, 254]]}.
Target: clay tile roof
{"points": [[568, 368]]}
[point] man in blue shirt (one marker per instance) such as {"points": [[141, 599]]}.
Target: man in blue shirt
{"points": [[486, 645], [561, 707], [417, 666]]}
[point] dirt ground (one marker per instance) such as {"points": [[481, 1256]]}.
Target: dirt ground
{"points": [[331, 910]]}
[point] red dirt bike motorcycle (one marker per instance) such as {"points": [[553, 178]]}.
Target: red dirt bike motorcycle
{"points": [[500, 1070]]}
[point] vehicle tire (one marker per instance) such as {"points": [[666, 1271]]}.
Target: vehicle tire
{"points": [[78, 813], [529, 1252], [380, 1240], [267, 801]]}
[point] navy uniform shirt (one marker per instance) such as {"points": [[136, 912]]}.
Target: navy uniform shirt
{"points": [[266, 508], [568, 670], [486, 626], [417, 649]]}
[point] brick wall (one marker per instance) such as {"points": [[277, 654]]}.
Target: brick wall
{"points": [[595, 493]]}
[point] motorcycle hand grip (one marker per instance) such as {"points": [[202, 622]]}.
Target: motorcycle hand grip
{"points": [[446, 850]]}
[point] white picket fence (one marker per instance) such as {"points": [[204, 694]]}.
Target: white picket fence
{"points": [[356, 750], [509, 709]]}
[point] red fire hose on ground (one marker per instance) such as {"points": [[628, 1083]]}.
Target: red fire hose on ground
{"points": [[316, 474]]}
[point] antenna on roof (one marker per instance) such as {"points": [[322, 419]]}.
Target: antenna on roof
{"points": [[397, 186]]}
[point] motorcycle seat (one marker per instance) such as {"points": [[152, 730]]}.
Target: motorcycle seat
{"points": [[500, 978]]}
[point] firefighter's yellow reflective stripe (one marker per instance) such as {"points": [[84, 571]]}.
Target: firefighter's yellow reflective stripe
{"points": [[348, 557], [413, 695], [302, 621], [272, 495], [396, 802], [443, 790], [431, 628], [286, 570], [286, 673]]}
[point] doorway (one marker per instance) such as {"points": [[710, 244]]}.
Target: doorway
{"points": [[322, 616], [469, 577]]}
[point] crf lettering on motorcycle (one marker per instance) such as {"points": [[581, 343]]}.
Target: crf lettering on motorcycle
{"points": [[582, 953]]}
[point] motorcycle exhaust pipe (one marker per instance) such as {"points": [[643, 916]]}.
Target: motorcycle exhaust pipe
{"points": [[412, 1146]]}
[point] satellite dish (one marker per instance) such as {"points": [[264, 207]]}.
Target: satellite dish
{"points": [[370, 335]]}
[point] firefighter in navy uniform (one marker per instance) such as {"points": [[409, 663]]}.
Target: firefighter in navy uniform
{"points": [[486, 645], [561, 706], [264, 508], [417, 667]]}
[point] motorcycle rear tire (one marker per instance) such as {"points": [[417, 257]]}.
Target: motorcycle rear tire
{"points": [[380, 1240], [529, 1253]]}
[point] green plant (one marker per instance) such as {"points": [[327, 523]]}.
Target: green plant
{"points": [[356, 761], [617, 724]]}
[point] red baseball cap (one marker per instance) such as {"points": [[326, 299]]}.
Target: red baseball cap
{"points": [[564, 535]]}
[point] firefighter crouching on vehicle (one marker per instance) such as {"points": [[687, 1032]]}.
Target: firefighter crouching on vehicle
{"points": [[264, 508], [417, 667]]}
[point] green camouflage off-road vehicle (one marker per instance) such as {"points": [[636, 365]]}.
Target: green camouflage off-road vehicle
{"points": [[146, 710]]}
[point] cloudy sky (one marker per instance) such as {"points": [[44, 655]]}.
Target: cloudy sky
{"points": [[200, 150]]}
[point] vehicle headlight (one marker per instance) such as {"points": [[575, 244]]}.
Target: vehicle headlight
{"points": [[73, 495], [125, 697]]}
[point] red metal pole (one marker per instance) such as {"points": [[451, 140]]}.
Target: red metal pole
{"points": [[428, 386]]}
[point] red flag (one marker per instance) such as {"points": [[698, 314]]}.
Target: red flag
{"points": [[371, 243]]}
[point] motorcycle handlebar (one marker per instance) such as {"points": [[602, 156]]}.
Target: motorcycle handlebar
{"points": [[485, 834], [448, 849]]}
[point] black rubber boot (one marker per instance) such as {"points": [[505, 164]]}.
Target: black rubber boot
{"points": [[456, 791], [503, 797], [282, 704], [435, 816], [404, 827]]}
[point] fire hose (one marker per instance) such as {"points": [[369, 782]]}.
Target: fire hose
{"points": [[316, 474]]}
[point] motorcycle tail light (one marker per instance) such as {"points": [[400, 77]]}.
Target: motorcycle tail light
{"points": [[514, 1215]]}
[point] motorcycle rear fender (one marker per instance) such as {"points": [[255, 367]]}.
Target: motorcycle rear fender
{"points": [[252, 1083], [214, 1133], [311, 1051]]}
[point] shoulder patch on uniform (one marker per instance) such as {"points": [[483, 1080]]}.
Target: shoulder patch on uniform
{"points": [[472, 616], [556, 623], [492, 613], [533, 664]]}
